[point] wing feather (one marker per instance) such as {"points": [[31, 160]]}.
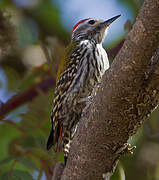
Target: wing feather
{"points": [[65, 75]]}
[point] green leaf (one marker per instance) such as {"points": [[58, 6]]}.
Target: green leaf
{"points": [[28, 163], [13, 77], [47, 14], [35, 76], [60, 157], [16, 175], [6, 160], [117, 174], [7, 133], [37, 114]]}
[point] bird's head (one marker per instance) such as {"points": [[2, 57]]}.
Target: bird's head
{"points": [[91, 29]]}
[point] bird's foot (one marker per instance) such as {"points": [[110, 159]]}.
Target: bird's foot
{"points": [[95, 89]]}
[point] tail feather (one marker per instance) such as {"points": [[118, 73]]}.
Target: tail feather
{"points": [[50, 140], [65, 160], [53, 137], [66, 145], [66, 150]]}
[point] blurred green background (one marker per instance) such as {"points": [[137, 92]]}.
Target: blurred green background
{"points": [[33, 35]]}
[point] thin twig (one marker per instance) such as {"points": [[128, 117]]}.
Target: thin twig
{"points": [[12, 167], [40, 174], [46, 52]]}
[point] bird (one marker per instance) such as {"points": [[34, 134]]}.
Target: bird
{"points": [[81, 68]]}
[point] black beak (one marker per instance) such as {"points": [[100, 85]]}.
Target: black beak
{"points": [[109, 21]]}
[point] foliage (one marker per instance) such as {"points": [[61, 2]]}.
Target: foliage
{"points": [[37, 29]]}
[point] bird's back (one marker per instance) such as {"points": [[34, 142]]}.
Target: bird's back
{"points": [[85, 63]]}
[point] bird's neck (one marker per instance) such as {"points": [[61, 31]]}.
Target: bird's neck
{"points": [[82, 37]]}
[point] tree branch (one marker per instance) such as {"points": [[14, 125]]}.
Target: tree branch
{"points": [[114, 51], [128, 94], [58, 169], [26, 96]]}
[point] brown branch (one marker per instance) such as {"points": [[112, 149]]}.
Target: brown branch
{"points": [[114, 51], [26, 96], [128, 94], [58, 169]]}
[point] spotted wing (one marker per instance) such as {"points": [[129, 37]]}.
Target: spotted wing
{"points": [[65, 76]]}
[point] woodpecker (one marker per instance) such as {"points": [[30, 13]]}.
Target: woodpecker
{"points": [[81, 68]]}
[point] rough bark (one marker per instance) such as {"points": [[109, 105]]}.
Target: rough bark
{"points": [[128, 94], [58, 169]]}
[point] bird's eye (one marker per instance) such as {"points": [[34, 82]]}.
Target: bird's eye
{"points": [[91, 22]]}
